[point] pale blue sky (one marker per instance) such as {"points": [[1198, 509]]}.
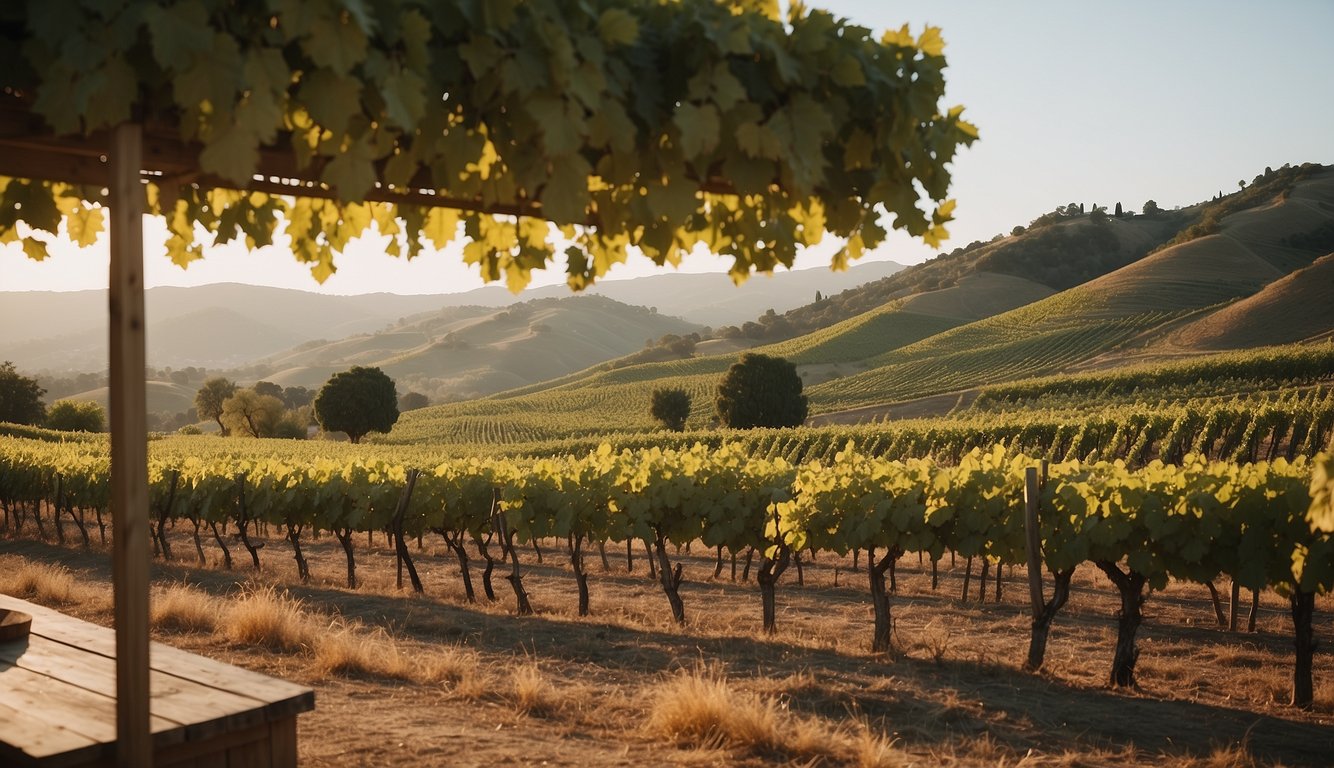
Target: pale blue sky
{"points": [[1102, 103]]}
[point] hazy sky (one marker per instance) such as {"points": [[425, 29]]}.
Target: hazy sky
{"points": [[1096, 103]]}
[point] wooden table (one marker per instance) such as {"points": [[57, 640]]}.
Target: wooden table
{"points": [[58, 702]]}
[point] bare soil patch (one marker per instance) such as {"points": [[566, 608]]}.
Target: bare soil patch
{"points": [[431, 680]]}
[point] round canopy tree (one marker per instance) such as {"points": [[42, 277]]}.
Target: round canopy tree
{"points": [[761, 391], [357, 401], [671, 407], [211, 396], [20, 397], [76, 416], [248, 412]]}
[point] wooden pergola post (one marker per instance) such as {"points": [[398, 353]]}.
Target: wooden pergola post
{"points": [[129, 448]]}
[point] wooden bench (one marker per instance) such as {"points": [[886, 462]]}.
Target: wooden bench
{"points": [[58, 702]]}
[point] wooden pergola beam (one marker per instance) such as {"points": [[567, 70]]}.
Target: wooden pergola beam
{"points": [[29, 151]]}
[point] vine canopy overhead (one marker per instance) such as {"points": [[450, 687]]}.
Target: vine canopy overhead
{"points": [[596, 126]]}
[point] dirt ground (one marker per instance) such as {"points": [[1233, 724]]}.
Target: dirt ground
{"points": [[557, 689]]}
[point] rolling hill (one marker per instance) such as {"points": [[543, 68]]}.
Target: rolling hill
{"points": [[228, 325], [984, 315], [471, 351], [706, 299], [1267, 317]]}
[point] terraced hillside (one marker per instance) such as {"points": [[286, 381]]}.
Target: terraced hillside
{"points": [[1105, 321], [984, 328], [1268, 317]]}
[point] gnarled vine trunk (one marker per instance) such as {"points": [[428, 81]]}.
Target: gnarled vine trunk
{"points": [[575, 542], [769, 573], [294, 536], [882, 640], [344, 536], [455, 542], [1303, 684], [1131, 587], [485, 552], [1037, 640], [670, 578]]}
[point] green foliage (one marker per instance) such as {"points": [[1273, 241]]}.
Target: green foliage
{"points": [[1212, 214], [760, 391], [251, 414], [411, 401], [1319, 239], [1061, 257], [292, 425], [210, 398], [671, 407], [268, 388], [771, 130], [1258, 523], [357, 401], [76, 416], [1151, 208], [20, 397]]}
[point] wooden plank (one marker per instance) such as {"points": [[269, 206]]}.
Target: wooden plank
{"points": [[214, 751], [79, 710], [254, 754], [201, 710], [28, 740], [128, 413], [282, 742], [208, 760], [279, 698]]}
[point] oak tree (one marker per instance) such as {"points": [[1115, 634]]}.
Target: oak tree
{"points": [[357, 401], [671, 406], [247, 412], [210, 397], [761, 391], [76, 416], [20, 397]]}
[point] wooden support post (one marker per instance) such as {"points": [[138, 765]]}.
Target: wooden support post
{"points": [[129, 448], [1033, 541]]}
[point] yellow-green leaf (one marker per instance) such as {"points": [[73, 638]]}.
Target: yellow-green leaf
{"points": [[84, 223], [699, 129], [442, 224], [34, 249], [617, 27], [930, 42]]}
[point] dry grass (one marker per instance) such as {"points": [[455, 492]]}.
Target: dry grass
{"points": [[181, 608], [262, 616], [41, 583], [346, 651], [574, 691], [532, 693], [870, 748], [700, 708]]}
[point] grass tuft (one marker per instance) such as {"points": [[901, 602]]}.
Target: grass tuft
{"points": [[532, 693], [179, 608], [41, 583], [701, 709], [264, 617]]}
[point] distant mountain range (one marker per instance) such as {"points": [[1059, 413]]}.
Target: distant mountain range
{"points": [[228, 325]]}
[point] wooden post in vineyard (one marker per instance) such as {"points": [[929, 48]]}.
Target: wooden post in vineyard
{"points": [[129, 447]]}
